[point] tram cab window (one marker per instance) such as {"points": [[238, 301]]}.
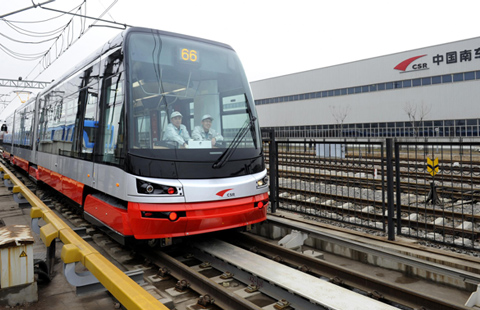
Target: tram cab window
{"points": [[169, 74]]}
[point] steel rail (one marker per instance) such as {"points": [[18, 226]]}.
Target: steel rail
{"points": [[281, 282], [468, 277], [350, 278]]}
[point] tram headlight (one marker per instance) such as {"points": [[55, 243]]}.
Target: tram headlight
{"points": [[262, 182], [148, 188], [144, 187]]}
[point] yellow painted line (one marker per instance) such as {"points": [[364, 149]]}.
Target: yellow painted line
{"points": [[126, 291]]}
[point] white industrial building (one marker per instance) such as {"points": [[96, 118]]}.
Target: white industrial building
{"points": [[432, 91]]}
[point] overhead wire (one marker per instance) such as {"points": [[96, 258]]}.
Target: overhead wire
{"points": [[36, 21], [33, 33], [47, 62], [63, 41], [61, 44], [45, 56], [26, 42], [56, 33], [20, 56], [28, 32]]}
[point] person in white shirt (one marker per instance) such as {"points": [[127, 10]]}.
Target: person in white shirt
{"points": [[176, 131], [205, 132]]}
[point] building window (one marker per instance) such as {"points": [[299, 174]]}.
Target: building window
{"points": [[427, 81], [458, 77], [447, 78], [469, 76]]}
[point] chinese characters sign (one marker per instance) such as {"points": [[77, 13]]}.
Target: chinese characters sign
{"points": [[456, 56]]}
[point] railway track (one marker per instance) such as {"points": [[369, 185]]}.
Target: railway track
{"points": [[361, 210], [418, 187], [237, 268], [345, 190], [408, 170], [448, 162]]}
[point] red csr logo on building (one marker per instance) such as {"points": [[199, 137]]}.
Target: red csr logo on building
{"points": [[406, 63]]}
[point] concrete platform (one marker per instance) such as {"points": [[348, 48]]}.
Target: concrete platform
{"points": [[58, 294]]}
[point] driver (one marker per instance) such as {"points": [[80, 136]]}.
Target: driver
{"points": [[176, 131], [205, 132]]}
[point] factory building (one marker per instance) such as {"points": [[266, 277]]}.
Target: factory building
{"points": [[426, 92]]}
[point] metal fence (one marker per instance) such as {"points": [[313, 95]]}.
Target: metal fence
{"points": [[425, 190], [438, 191], [330, 180]]}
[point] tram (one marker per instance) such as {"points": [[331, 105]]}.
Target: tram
{"points": [[98, 136]]}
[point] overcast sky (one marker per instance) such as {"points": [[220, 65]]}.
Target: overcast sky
{"points": [[272, 38]]}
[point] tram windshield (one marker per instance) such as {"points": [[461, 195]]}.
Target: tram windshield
{"points": [[188, 99]]}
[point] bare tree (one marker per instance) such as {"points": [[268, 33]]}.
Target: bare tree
{"points": [[416, 114], [340, 114]]}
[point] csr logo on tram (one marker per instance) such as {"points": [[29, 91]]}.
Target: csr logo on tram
{"points": [[225, 193], [408, 64]]}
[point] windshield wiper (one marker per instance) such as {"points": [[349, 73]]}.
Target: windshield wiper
{"points": [[222, 160]]}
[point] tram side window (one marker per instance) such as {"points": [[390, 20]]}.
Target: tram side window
{"points": [[111, 110], [90, 122], [46, 120], [27, 135], [113, 125], [23, 126], [7, 138], [42, 118], [63, 137], [58, 125], [17, 129], [81, 120]]}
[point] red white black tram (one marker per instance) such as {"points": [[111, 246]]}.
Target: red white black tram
{"points": [[98, 136]]}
